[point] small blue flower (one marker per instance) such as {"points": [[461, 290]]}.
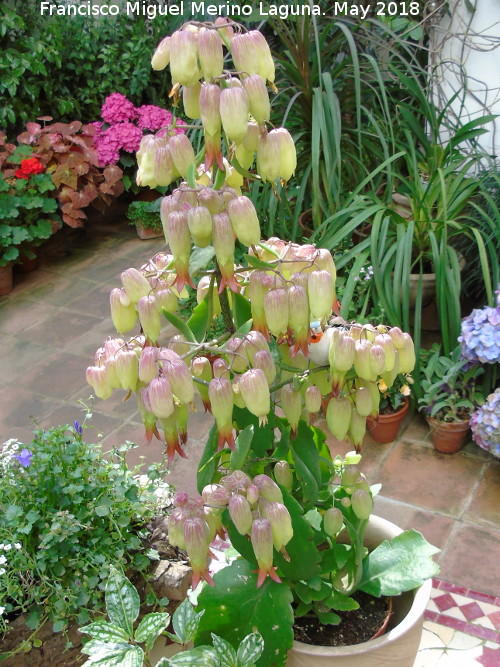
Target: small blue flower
{"points": [[78, 427], [24, 457]]}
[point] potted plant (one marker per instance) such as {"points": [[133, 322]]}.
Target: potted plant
{"points": [[146, 218], [27, 206], [266, 477], [68, 513], [449, 397], [393, 406]]}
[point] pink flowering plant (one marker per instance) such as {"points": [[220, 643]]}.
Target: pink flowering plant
{"points": [[268, 482]]}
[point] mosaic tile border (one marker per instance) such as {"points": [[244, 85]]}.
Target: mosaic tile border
{"points": [[465, 610]]}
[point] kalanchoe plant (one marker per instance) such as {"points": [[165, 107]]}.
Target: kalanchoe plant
{"points": [[266, 476], [27, 206]]}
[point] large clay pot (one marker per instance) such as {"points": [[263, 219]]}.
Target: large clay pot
{"points": [[398, 646], [428, 288], [448, 437], [6, 279], [385, 427]]}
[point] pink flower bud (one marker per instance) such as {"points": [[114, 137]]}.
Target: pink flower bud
{"points": [[385, 341], [210, 199], [179, 377], [149, 317], [237, 358], [281, 523], [210, 54], [312, 399], [146, 162], [266, 62], [283, 475], [276, 310], [362, 364], [342, 352], [268, 489], [362, 504], [263, 359], [164, 169], [200, 225], [259, 284], [237, 481], [220, 369], [287, 153], [127, 369], [323, 260], [291, 404], [210, 95], [159, 396], [161, 56], [148, 367], [182, 153], [196, 539], [179, 345], [124, 317], [253, 494], [184, 58], [258, 98], [377, 360], [191, 100], [338, 417], [406, 355], [96, 378], [180, 245], [220, 393], [397, 337], [240, 513], [234, 113], [166, 298], [201, 368], [224, 28], [223, 238], [262, 543], [244, 220], [244, 56], [215, 495], [176, 521], [333, 520], [357, 429], [135, 284], [321, 291], [268, 157], [255, 392], [364, 404], [299, 317], [255, 341]]}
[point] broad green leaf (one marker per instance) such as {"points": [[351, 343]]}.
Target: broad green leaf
{"points": [[151, 626], [242, 445], [181, 326], [208, 462], [235, 607], [186, 621], [242, 309], [341, 602], [314, 518], [122, 601], [200, 258], [264, 435], [250, 650], [226, 655], [113, 655], [306, 457], [398, 565], [200, 656], [108, 632], [198, 322], [329, 617]]}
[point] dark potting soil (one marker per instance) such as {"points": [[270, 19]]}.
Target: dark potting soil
{"points": [[357, 626]]}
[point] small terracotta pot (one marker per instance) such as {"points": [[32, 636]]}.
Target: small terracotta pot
{"points": [[385, 428], [26, 265], [6, 279], [145, 233], [448, 437]]}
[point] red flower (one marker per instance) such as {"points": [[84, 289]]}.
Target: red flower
{"points": [[29, 166]]}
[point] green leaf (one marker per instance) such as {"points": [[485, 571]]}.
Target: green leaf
{"points": [[113, 655], [208, 462], [242, 309], [200, 258], [242, 445], [235, 607], [257, 263], [306, 457], [198, 322], [151, 626], [106, 632], [200, 656], [328, 617], [186, 621], [314, 518], [122, 601], [102, 510], [250, 650], [398, 565], [180, 325], [226, 655]]}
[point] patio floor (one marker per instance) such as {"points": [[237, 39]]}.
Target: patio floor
{"points": [[57, 316]]}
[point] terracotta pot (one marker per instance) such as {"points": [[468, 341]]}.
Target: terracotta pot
{"points": [[448, 437], [428, 288], [145, 233], [306, 223], [6, 279], [26, 265], [398, 646], [385, 428]]}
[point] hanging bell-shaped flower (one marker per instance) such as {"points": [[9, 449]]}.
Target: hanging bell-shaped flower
{"points": [[161, 56], [124, 317], [255, 392], [184, 58], [338, 416], [210, 54], [234, 113], [244, 220], [258, 97]]}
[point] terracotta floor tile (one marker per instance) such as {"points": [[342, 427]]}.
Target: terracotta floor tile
{"points": [[59, 376], [420, 476], [471, 558], [22, 312], [21, 408], [60, 290], [485, 502], [60, 328], [18, 357], [416, 431]]}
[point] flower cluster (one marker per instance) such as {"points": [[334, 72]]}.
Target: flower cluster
{"points": [[480, 335], [255, 508], [485, 424], [29, 166], [120, 133], [365, 274]]}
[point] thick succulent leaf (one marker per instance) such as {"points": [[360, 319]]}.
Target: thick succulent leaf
{"points": [[150, 628], [399, 565], [236, 607], [200, 258], [122, 601], [242, 445], [198, 322], [106, 632], [242, 309]]}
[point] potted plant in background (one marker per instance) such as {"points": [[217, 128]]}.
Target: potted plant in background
{"points": [[266, 475], [394, 404], [450, 394], [146, 218]]}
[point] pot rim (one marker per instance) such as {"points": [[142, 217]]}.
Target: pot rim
{"points": [[421, 597]]}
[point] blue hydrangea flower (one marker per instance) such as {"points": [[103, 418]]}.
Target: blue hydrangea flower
{"points": [[485, 424], [480, 336]]}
